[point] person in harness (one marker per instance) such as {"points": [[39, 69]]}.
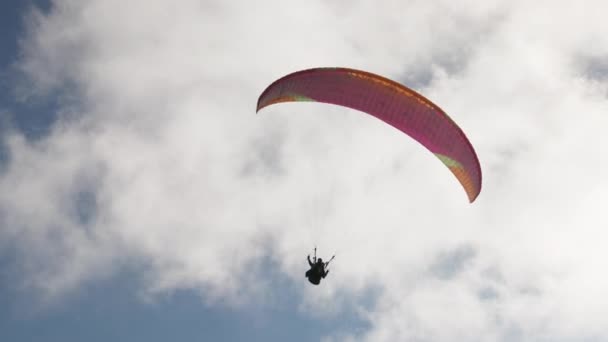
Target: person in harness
{"points": [[318, 269]]}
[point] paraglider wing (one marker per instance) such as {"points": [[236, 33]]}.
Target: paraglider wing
{"points": [[391, 102]]}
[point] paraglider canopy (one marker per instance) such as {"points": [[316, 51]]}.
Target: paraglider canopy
{"points": [[390, 102]]}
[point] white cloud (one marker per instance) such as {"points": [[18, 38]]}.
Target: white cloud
{"points": [[188, 179]]}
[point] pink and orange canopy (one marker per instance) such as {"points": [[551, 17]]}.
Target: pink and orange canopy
{"points": [[391, 102]]}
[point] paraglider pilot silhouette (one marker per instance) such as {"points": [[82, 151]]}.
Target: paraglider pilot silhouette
{"points": [[318, 269]]}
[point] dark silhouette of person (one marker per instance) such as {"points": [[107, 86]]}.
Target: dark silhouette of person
{"points": [[317, 271]]}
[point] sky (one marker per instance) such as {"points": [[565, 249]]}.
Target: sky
{"points": [[141, 197]]}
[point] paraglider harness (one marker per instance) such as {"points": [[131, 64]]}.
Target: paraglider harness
{"points": [[318, 269]]}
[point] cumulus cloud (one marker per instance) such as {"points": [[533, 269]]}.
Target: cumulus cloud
{"points": [[158, 158]]}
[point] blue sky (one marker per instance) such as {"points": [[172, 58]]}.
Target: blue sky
{"points": [[29, 119], [110, 311], [141, 197]]}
